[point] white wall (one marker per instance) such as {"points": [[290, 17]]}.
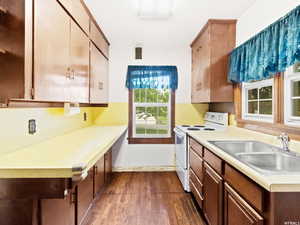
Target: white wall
{"points": [[261, 14], [122, 55], [146, 157]]}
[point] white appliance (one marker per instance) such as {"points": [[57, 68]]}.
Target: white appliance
{"points": [[213, 122]]}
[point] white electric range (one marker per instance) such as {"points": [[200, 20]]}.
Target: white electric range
{"points": [[213, 122]]}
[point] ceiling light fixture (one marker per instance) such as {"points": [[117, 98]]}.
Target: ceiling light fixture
{"points": [[155, 9]]}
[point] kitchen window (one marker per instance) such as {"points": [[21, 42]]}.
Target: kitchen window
{"points": [[292, 95], [152, 119], [258, 100]]}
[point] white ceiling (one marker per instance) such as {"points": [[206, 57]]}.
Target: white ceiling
{"points": [[120, 23]]}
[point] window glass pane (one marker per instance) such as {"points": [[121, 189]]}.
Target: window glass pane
{"points": [[296, 89], [296, 107], [161, 131], [163, 96], [140, 120], [297, 67], [151, 131], [253, 107], [265, 107], [143, 95], [252, 94], [266, 92], [137, 95], [162, 118], [152, 95]]}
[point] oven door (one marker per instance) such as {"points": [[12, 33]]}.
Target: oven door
{"points": [[180, 149]]}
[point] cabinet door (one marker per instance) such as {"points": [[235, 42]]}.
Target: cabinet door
{"points": [[80, 15], [99, 77], [213, 196], [51, 51], [99, 176], [58, 211], [99, 40], [108, 166], [238, 211], [84, 197], [79, 79]]}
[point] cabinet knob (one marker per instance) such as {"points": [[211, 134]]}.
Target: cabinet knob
{"points": [[73, 75], [68, 74]]}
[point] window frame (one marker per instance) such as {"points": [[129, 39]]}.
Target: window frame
{"points": [[289, 77], [257, 85], [133, 139]]}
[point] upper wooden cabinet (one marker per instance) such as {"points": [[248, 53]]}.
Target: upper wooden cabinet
{"points": [[99, 77], [45, 52], [210, 52], [99, 40]]}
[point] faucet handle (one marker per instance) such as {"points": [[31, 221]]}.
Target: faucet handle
{"points": [[284, 136]]}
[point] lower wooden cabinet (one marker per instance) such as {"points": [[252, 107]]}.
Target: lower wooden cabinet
{"points": [[99, 176], [108, 166], [238, 211], [213, 196], [58, 211]]}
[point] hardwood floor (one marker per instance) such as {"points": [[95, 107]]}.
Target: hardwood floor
{"points": [[145, 199]]}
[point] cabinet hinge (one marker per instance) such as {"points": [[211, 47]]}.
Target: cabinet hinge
{"points": [[32, 93], [73, 197]]}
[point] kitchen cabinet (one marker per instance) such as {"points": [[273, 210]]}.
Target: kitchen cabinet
{"points": [[99, 77], [213, 196], [52, 52], [238, 211], [210, 52], [58, 211], [108, 166], [85, 197], [46, 51], [99, 176], [98, 39], [79, 58]]}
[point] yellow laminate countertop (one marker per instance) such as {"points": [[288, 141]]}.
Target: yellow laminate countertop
{"points": [[272, 183], [66, 156]]}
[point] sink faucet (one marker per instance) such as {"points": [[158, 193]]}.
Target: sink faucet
{"points": [[284, 138]]}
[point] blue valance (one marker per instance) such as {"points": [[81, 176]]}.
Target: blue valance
{"points": [[269, 52], [157, 77]]}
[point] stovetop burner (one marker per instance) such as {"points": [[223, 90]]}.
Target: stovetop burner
{"points": [[193, 128], [200, 126], [185, 125], [209, 129]]}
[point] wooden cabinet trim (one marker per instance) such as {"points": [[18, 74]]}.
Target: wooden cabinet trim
{"points": [[196, 181], [253, 193], [196, 164], [214, 161], [254, 217], [198, 148], [197, 195]]}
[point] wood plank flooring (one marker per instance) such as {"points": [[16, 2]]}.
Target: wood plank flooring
{"points": [[145, 199]]}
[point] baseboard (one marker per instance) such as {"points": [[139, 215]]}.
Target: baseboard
{"points": [[144, 169]]}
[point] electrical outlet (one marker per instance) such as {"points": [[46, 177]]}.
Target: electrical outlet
{"points": [[32, 126], [84, 116]]}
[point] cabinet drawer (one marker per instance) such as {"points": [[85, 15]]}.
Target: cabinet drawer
{"points": [[214, 161], [99, 40], [248, 189], [196, 147], [197, 195], [238, 211], [195, 180], [196, 164]]}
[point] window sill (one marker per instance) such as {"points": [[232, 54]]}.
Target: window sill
{"points": [[132, 140], [270, 128]]}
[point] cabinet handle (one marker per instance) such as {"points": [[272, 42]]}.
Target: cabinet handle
{"points": [[73, 197], [2, 51], [68, 74], [73, 75], [100, 85], [2, 10]]}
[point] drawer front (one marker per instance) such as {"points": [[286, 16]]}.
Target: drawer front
{"points": [[99, 40], [196, 164], [195, 180], [80, 15], [196, 147], [214, 161], [246, 188], [196, 194]]}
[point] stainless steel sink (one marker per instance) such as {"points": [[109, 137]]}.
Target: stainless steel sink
{"points": [[264, 158]]}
